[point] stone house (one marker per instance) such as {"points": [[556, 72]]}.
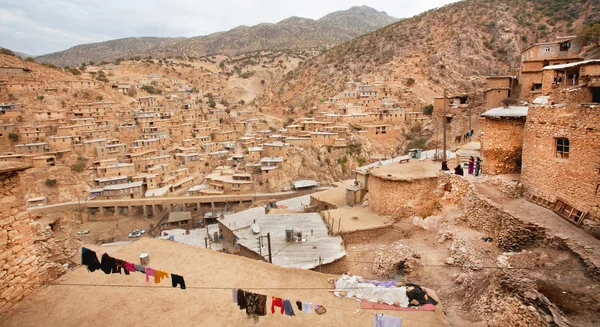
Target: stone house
{"points": [[563, 50], [561, 157], [323, 138], [32, 148], [274, 149], [502, 139], [581, 78]]}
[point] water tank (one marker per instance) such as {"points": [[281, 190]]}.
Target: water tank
{"points": [[289, 234]]}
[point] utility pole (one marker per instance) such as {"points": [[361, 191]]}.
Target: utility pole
{"points": [[261, 244], [79, 208], [444, 119], [269, 245]]}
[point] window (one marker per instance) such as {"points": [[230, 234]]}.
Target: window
{"points": [[562, 148], [547, 50]]}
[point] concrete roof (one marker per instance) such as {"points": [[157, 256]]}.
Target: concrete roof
{"points": [[122, 186], [506, 112], [179, 216], [573, 64], [158, 191]]}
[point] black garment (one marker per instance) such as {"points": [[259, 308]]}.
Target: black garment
{"points": [[108, 264], [262, 305], [241, 299], [89, 259], [445, 165], [251, 303], [121, 265], [419, 294], [459, 171], [176, 279], [299, 305]]}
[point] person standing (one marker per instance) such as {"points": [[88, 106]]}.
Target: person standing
{"points": [[471, 165], [477, 166]]}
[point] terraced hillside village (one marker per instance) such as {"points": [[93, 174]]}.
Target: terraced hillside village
{"points": [[439, 170]]}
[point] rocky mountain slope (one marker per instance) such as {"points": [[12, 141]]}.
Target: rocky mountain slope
{"points": [[455, 46], [290, 33]]}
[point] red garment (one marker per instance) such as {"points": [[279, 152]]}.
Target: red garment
{"points": [[129, 266], [276, 302]]}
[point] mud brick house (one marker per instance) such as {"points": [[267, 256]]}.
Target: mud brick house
{"points": [[498, 88], [563, 50], [502, 139], [561, 161]]}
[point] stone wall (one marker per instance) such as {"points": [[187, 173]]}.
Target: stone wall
{"points": [[387, 197], [18, 259], [494, 97], [576, 179], [506, 228], [501, 145]]}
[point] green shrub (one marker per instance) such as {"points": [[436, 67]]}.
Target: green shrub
{"points": [[13, 137], [78, 167], [7, 52], [51, 182], [151, 89], [428, 109], [410, 81]]}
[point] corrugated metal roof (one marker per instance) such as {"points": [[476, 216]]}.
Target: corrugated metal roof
{"points": [[573, 64], [304, 183], [506, 112]]}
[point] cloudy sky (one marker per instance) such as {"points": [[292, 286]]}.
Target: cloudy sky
{"points": [[42, 26]]}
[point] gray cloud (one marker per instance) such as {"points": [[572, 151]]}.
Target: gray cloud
{"points": [[42, 26]]}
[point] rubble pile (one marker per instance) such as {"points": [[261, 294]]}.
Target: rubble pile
{"points": [[389, 260]]}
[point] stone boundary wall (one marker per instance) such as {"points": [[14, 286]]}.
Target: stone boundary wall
{"points": [[18, 258], [501, 145], [386, 197], [511, 233]]}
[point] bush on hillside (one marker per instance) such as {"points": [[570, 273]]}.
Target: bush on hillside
{"points": [[428, 109]]}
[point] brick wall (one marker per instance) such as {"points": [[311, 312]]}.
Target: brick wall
{"points": [[576, 179], [387, 197], [18, 259], [501, 145]]}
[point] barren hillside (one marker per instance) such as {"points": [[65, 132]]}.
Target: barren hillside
{"points": [[290, 33], [454, 46]]}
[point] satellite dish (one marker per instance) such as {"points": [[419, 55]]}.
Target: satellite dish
{"points": [[255, 228]]}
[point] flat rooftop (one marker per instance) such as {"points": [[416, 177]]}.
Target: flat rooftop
{"points": [[408, 171], [64, 297]]}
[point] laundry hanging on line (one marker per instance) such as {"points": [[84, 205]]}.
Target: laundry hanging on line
{"points": [[110, 265], [256, 304]]}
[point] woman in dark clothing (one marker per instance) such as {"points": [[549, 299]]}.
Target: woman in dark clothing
{"points": [[445, 165], [459, 171]]}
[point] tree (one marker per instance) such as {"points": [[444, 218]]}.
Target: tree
{"points": [[13, 137], [131, 91], [592, 33], [211, 103], [242, 102], [99, 98], [29, 59], [428, 109]]}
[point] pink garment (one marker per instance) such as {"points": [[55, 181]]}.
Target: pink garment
{"points": [[129, 266], [149, 272]]}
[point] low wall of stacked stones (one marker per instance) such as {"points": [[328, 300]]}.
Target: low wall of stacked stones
{"points": [[386, 197], [510, 232], [19, 274]]}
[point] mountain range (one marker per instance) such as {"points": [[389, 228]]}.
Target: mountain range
{"points": [[291, 33]]}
